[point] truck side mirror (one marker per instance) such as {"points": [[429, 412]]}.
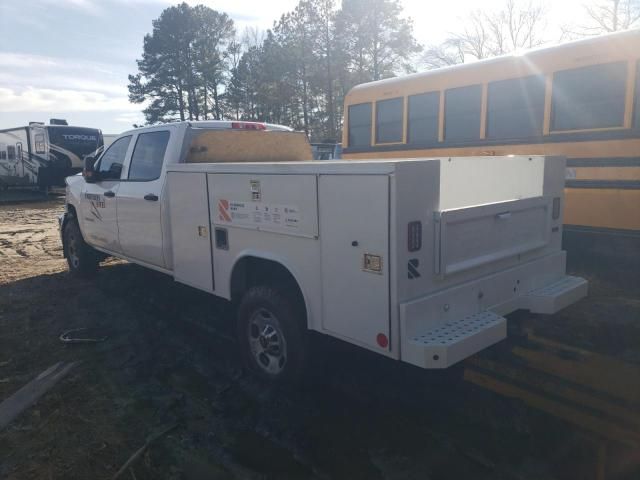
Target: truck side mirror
{"points": [[88, 172]]}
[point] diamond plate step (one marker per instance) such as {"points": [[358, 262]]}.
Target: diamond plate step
{"points": [[455, 340]]}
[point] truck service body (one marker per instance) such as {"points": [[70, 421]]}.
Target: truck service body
{"points": [[418, 260]]}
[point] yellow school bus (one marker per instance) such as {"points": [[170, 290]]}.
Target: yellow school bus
{"points": [[579, 99]]}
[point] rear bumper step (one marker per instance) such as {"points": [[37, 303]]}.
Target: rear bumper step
{"points": [[440, 330], [555, 296], [456, 340]]}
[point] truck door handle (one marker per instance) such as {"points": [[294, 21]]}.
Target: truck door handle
{"points": [[151, 197], [109, 194]]}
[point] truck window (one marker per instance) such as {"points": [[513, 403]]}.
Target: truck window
{"points": [[148, 156], [113, 159]]}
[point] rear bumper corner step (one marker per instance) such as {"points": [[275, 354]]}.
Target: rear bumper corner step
{"points": [[555, 296], [456, 340]]}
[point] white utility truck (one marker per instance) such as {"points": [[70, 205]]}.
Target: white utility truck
{"points": [[418, 260]]}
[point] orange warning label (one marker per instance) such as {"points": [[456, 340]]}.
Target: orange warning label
{"points": [[257, 214], [223, 210]]}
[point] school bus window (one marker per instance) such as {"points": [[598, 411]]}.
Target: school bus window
{"points": [[389, 115], [11, 152], [589, 97], [423, 115], [462, 107], [515, 108], [360, 125], [636, 122]]}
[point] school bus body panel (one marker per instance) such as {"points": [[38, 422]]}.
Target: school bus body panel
{"points": [[593, 207]]}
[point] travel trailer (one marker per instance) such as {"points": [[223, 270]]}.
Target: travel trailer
{"points": [[43, 155]]}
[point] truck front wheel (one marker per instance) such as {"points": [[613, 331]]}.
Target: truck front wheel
{"points": [[82, 259], [272, 338]]}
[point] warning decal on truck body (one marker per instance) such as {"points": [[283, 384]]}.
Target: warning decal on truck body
{"points": [[257, 214]]}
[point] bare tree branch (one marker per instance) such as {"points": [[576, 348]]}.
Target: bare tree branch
{"points": [[445, 54], [606, 16], [516, 25]]}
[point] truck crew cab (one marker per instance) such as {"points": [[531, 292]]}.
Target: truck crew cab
{"points": [[418, 260]]}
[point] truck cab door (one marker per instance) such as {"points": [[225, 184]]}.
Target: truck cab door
{"points": [[98, 204], [139, 200]]}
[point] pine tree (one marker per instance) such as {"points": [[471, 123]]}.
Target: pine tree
{"points": [[377, 42], [183, 60]]}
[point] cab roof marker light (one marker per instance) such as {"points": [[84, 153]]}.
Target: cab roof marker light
{"points": [[248, 126]]}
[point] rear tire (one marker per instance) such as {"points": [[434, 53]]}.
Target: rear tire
{"points": [[82, 259], [272, 335]]}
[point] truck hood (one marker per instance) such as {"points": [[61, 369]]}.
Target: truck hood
{"points": [[74, 180]]}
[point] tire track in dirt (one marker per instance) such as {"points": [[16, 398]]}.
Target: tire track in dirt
{"points": [[29, 240]]}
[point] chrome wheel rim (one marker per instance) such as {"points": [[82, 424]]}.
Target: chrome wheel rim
{"points": [[267, 342], [72, 250]]}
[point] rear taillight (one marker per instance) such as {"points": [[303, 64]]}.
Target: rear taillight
{"points": [[248, 126], [414, 236]]}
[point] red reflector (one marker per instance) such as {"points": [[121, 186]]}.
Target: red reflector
{"points": [[248, 126], [382, 340]]}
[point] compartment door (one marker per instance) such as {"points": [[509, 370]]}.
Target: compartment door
{"points": [[474, 236], [190, 229], [354, 240]]}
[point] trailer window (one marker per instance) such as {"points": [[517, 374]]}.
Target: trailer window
{"points": [[589, 97], [423, 118], [148, 156], [40, 143], [389, 115], [112, 160], [462, 113], [360, 125], [11, 152], [515, 107]]}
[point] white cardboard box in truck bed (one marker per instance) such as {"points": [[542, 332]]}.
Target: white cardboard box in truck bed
{"points": [[417, 260]]}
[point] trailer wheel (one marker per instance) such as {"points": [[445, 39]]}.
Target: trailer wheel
{"points": [[272, 338], [82, 259]]}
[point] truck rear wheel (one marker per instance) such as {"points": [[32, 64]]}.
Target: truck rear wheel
{"points": [[272, 337], [82, 259]]}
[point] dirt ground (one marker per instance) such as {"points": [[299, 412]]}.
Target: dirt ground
{"points": [[170, 360]]}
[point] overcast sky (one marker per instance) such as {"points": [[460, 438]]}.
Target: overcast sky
{"points": [[70, 58]]}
